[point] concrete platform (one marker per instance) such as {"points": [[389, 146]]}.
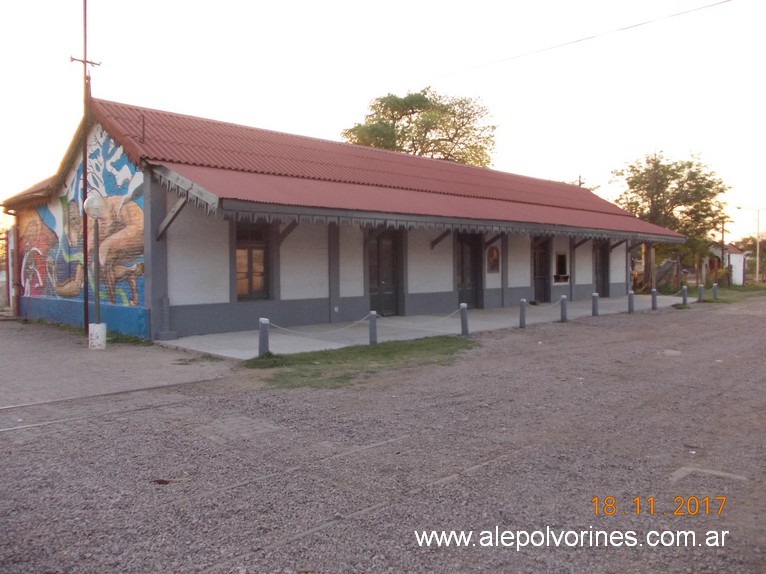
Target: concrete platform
{"points": [[244, 344]]}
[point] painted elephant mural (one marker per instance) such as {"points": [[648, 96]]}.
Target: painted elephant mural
{"points": [[51, 236]]}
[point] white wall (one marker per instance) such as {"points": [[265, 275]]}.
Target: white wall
{"points": [[429, 270], [198, 257], [352, 268], [737, 262], [304, 263], [519, 261], [584, 264], [617, 272]]}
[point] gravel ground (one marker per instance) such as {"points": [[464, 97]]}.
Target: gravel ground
{"points": [[230, 476]]}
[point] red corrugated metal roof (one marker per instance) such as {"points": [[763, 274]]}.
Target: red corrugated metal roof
{"points": [[262, 166]]}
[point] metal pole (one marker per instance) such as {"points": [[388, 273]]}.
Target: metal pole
{"points": [[715, 290], [594, 304], [758, 246], [654, 299], [464, 319], [700, 293], [96, 273], [373, 328], [86, 321], [263, 337], [631, 302], [685, 294], [563, 308], [522, 314]]}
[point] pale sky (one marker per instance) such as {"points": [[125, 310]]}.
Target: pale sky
{"points": [[683, 85]]}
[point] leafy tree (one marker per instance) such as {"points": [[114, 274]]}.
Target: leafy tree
{"points": [[684, 196], [427, 124]]}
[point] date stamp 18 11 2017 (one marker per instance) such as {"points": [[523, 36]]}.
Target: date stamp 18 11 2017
{"points": [[680, 506]]}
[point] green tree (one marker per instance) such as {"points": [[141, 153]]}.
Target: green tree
{"points": [[427, 124], [684, 196]]}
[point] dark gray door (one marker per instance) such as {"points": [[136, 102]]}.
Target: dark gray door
{"points": [[541, 268], [383, 255], [601, 266], [468, 269]]}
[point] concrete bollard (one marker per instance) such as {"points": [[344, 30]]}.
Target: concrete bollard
{"points": [[700, 293], [631, 302], [594, 304], [464, 319], [522, 314], [685, 294], [263, 337], [654, 299], [715, 290], [373, 328], [563, 308], [97, 336]]}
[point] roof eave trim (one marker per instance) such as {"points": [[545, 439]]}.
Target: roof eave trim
{"points": [[186, 188], [239, 210]]}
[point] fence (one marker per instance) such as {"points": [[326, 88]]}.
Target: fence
{"points": [[440, 325]]}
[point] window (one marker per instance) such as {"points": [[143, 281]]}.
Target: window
{"points": [[562, 274], [252, 261]]}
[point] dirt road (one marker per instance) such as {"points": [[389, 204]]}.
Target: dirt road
{"points": [[601, 444]]}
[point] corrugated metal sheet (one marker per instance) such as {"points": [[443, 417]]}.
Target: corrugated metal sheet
{"points": [[297, 192], [265, 167]]}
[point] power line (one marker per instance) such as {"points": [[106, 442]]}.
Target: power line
{"points": [[593, 36]]}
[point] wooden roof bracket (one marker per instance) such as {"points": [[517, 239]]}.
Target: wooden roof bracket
{"points": [[441, 238], [170, 217], [491, 241], [611, 247]]}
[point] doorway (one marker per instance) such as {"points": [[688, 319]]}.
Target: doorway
{"points": [[601, 251], [541, 268], [468, 270], [383, 249]]}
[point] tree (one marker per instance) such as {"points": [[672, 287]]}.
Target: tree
{"points": [[681, 195], [684, 196], [427, 124]]}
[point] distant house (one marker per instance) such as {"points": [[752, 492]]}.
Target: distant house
{"points": [[298, 230], [736, 264]]}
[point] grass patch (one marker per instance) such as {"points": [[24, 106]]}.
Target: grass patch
{"points": [[734, 294], [336, 368]]}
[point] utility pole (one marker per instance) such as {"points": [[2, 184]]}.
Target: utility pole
{"points": [[85, 126]]}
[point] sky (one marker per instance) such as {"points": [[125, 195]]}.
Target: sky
{"points": [[577, 89]]}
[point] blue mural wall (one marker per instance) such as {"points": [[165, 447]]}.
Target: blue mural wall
{"points": [[54, 275]]}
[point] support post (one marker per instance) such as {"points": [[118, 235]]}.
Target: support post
{"points": [[563, 308], [263, 337], [715, 290], [685, 294], [654, 299], [594, 304], [631, 302], [523, 314], [700, 293], [464, 319], [373, 328]]}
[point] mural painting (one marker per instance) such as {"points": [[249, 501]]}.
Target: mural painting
{"points": [[51, 236]]}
